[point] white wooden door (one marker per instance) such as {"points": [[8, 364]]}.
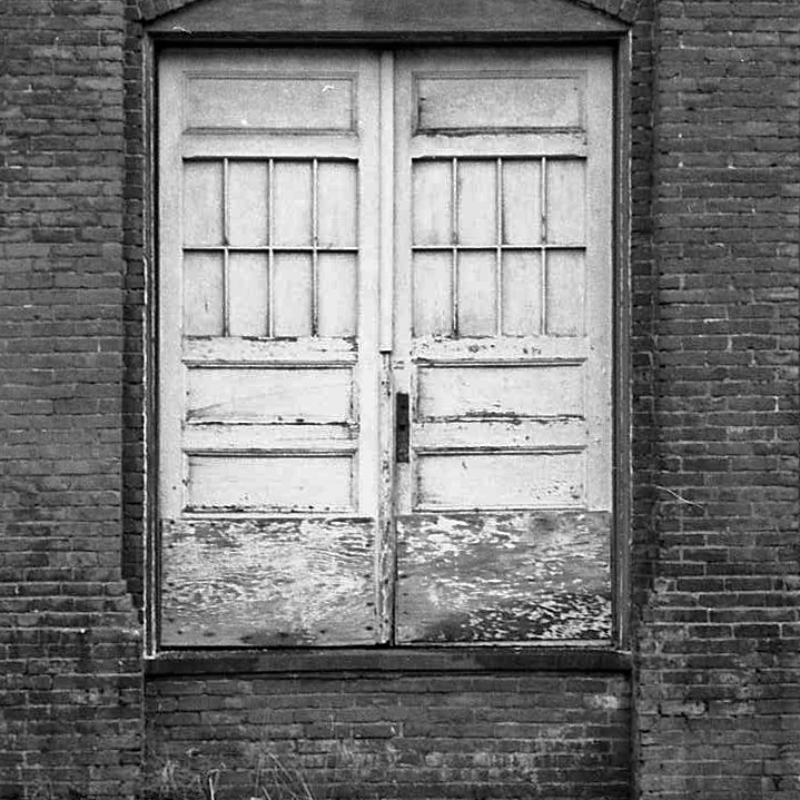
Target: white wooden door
{"points": [[503, 344], [268, 359], [385, 346]]}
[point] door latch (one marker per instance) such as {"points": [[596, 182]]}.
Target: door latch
{"points": [[402, 428]]}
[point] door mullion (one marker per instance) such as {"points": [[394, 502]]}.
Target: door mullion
{"points": [[455, 242], [387, 167], [498, 265], [271, 251], [315, 247], [386, 547]]}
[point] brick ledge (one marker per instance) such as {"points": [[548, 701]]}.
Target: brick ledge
{"points": [[461, 659]]}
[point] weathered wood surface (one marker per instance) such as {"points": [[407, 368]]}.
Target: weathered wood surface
{"points": [[270, 482], [269, 352], [504, 577], [267, 582], [522, 351], [506, 433], [285, 103], [498, 103], [270, 394], [510, 391], [503, 479]]}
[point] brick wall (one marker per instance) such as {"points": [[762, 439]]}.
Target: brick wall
{"points": [[70, 685], [391, 736], [484, 735], [715, 248], [718, 689]]}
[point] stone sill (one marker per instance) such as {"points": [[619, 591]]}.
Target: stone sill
{"points": [[403, 660]]}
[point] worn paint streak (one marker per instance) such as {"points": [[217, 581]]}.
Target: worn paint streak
{"points": [[501, 351], [504, 577], [264, 582], [387, 546], [254, 352]]}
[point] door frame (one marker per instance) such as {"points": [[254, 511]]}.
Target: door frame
{"points": [[359, 32]]}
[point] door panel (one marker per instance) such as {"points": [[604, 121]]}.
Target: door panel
{"points": [[268, 582], [503, 334], [244, 98], [491, 100], [519, 576], [268, 391]]}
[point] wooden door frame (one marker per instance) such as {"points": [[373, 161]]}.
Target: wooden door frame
{"points": [[356, 30]]}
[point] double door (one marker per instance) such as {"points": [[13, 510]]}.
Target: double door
{"points": [[384, 360]]}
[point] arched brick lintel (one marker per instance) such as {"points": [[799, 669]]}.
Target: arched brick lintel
{"points": [[620, 11]]}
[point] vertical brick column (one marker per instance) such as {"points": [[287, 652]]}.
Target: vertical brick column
{"points": [[719, 639], [70, 686]]}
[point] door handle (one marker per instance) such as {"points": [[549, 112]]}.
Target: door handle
{"points": [[402, 428]]}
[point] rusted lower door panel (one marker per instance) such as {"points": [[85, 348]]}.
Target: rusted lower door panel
{"points": [[514, 577], [265, 582]]}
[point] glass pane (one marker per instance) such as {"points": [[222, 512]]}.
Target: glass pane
{"points": [[477, 309], [565, 292], [247, 199], [522, 206], [202, 294], [566, 200], [433, 294], [292, 294], [522, 293], [337, 294], [202, 203], [249, 293], [433, 203], [337, 204], [293, 202], [477, 203]]}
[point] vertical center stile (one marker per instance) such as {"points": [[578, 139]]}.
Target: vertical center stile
{"points": [[386, 544], [226, 227], [454, 240], [543, 265], [387, 189], [271, 248], [314, 246], [498, 267]]}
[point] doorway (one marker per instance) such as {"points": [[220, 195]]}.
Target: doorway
{"points": [[385, 326]]}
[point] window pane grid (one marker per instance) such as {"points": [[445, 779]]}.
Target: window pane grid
{"points": [[552, 215], [285, 222]]}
